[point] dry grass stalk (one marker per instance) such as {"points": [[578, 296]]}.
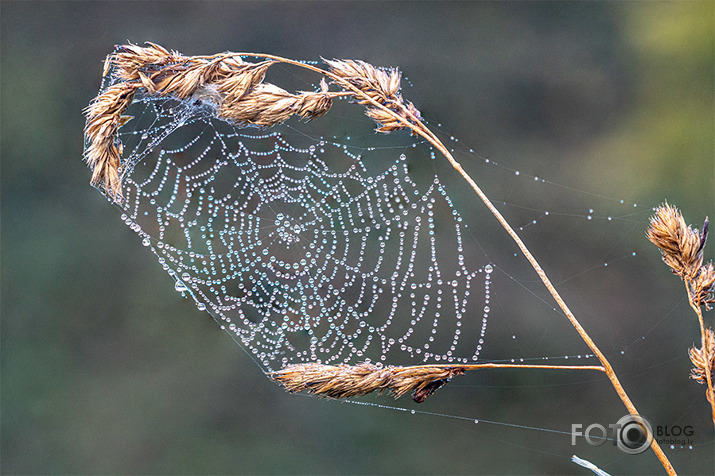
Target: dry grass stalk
{"points": [[344, 381], [682, 249]]}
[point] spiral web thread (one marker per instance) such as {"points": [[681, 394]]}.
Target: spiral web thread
{"points": [[305, 250]]}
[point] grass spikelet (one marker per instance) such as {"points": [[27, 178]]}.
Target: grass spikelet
{"points": [[381, 86], [233, 85], [680, 245], [702, 289], [345, 381], [703, 360], [104, 118]]}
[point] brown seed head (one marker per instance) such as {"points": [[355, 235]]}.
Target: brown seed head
{"points": [[234, 86], [380, 85], [679, 244], [345, 381], [702, 287], [703, 359], [237, 90], [104, 118]]}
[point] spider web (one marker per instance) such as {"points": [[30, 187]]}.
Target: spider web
{"points": [[306, 245], [304, 249]]}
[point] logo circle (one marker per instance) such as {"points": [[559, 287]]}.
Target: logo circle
{"points": [[631, 436]]}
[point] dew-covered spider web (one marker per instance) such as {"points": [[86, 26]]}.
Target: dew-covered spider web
{"points": [[324, 242], [304, 250]]}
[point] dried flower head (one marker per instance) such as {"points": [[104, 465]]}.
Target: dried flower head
{"points": [[703, 359], [345, 381], [680, 245], [380, 85], [235, 87], [104, 118], [702, 287]]}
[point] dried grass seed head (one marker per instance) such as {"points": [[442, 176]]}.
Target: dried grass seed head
{"points": [[103, 152], [233, 86], [703, 359], [380, 85], [680, 245], [702, 287], [345, 381]]}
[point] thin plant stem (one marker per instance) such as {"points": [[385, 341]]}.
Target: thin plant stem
{"points": [[495, 365], [607, 368], [708, 376]]}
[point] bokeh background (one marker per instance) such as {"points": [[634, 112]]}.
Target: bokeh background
{"points": [[105, 370]]}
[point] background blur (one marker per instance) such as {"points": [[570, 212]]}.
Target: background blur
{"points": [[106, 370]]}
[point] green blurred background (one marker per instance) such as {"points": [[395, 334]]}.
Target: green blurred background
{"points": [[106, 370]]}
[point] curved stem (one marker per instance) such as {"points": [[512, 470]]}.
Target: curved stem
{"points": [[607, 368], [422, 130]]}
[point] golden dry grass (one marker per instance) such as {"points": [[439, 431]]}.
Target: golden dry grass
{"points": [[237, 90], [681, 247], [240, 95]]}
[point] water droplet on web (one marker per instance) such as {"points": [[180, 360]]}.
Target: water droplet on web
{"points": [[201, 306], [488, 269], [146, 242]]}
